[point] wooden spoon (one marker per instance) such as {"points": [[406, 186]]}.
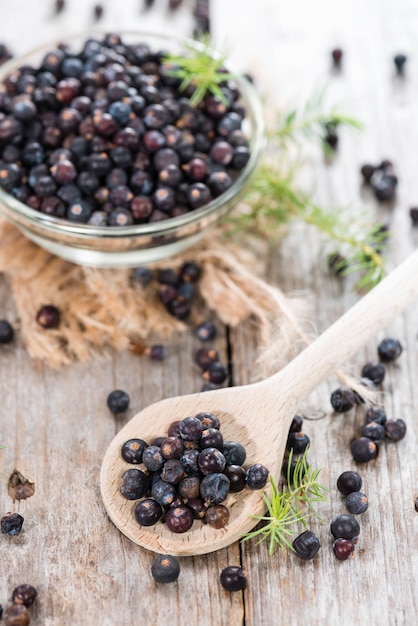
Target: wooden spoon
{"points": [[256, 415]]}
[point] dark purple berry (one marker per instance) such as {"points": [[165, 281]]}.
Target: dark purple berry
{"points": [[374, 431], [214, 488], [198, 194], [11, 524], [348, 482], [236, 475], [190, 429], [16, 615], [257, 476], [48, 317], [173, 429], [165, 569], [172, 471], [142, 275], [395, 429], [24, 594], [357, 503], [306, 545], [164, 493], [171, 448], [6, 332], [212, 438], [343, 400], [132, 450], [343, 549], [205, 357], [216, 373], [156, 352], [375, 372], [389, 350], [234, 453], [345, 527], [152, 458], [233, 578], [376, 414], [79, 211], [147, 512], [189, 460], [206, 331], [189, 487], [297, 442], [209, 420], [217, 516], [179, 519], [118, 401], [363, 449], [134, 484], [211, 460]]}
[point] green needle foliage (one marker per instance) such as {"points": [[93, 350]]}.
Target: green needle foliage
{"points": [[291, 507], [199, 67], [275, 199]]}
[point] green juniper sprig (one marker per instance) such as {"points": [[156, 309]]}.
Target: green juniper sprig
{"points": [[201, 68], [290, 507]]}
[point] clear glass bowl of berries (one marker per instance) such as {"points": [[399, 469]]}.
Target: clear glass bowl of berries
{"points": [[113, 154]]}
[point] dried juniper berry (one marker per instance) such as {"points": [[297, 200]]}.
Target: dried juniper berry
{"points": [[375, 372], [132, 450], [157, 352], [24, 594], [216, 373], [197, 507], [211, 460], [48, 317], [345, 527], [389, 350], [212, 438], [79, 211], [190, 272], [348, 482], [296, 425], [395, 429], [306, 545], [363, 449], [190, 429], [152, 458], [209, 387], [357, 503], [189, 487], [205, 357], [6, 332], [209, 420], [142, 275], [11, 524], [190, 461], [217, 516], [233, 578], [164, 493], [179, 519], [257, 476], [214, 488], [206, 331], [236, 475], [343, 549], [134, 485], [374, 431], [172, 471], [376, 414], [165, 569], [234, 453], [147, 512], [16, 615], [118, 401], [343, 400], [171, 448], [297, 442]]}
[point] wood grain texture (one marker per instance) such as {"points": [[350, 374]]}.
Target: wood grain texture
{"points": [[56, 426]]}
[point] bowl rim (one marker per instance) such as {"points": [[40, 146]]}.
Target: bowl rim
{"points": [[257, 141]]}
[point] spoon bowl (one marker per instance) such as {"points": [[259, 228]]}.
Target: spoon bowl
{"points": [[258, 416]]}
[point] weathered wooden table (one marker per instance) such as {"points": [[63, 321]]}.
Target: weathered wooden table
{"points": [[55, 424]]}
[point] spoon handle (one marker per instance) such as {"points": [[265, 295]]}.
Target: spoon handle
{"points": [[349, 333]]}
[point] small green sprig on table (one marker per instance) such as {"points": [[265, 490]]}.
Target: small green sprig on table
{"points": [[292, 506]]}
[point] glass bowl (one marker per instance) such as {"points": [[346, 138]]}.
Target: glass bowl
{"points": [[138, 244]]}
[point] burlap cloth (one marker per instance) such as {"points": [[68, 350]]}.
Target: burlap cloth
{"points": [[104, 309]]}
